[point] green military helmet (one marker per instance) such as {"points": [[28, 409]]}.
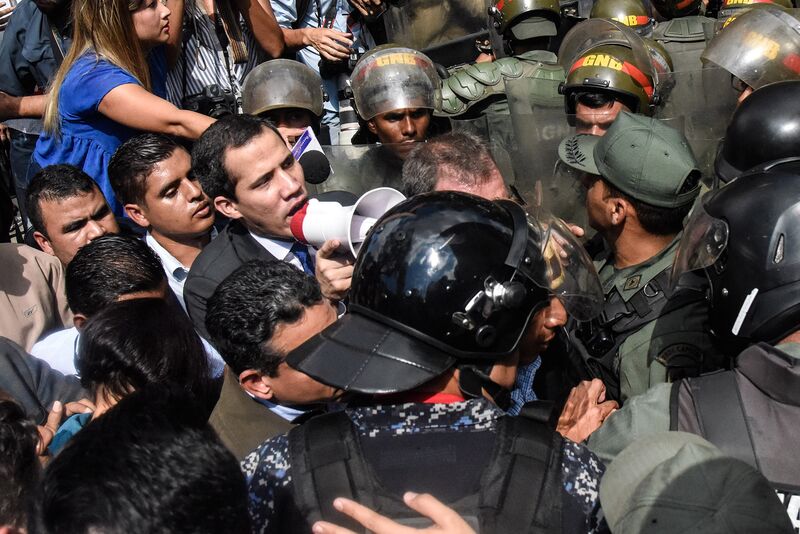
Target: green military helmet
{"points": [[526, 19], [673, 9], [760, 46], [631, 13], [391, 77], [610, 69], [280, 84], [731, 8], [659, 57]]}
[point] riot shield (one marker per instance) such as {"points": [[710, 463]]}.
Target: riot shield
{"points": [[702, 101], [445, 30], [537, 132], [360, 168]]}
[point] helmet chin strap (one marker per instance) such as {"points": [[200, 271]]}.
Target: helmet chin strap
{"points": [[474, 380]]}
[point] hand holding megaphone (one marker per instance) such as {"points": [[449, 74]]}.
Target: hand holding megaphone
{"points": [[319, 221]]}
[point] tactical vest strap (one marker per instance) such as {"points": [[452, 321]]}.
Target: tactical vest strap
{"points": [[325, 444], [528, 451], [720, 412]]}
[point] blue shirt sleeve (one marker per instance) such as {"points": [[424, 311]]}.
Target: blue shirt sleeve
{"points": [[88, 83], [285, 12]]}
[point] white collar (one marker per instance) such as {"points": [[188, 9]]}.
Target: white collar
{"points": [[279, 248], [170, 262]]}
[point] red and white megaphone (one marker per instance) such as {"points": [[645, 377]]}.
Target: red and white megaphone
{"points": [[319, 221]]}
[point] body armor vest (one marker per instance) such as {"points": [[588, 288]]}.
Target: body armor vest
{"points": [[520, 487], [752, 413]]}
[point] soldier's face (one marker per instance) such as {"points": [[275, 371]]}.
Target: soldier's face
{"points": [[596, 201], [401, 128], [595, 121]]}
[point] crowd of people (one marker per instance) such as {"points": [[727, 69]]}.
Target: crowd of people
{"points": [[552, 289]]}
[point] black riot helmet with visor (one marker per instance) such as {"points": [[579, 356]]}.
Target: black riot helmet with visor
{"points": [[745, 237], [448, 279]]}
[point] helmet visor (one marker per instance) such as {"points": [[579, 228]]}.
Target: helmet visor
{"points": [[704, 239], [759, 47], [570, 273]]}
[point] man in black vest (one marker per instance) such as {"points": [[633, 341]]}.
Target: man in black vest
{"points": [[445, 287], [744, 238]]}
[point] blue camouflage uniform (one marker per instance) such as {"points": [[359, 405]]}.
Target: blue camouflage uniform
{"points": [[268, 469]]}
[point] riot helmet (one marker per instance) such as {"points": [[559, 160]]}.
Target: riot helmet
{"points": [[389, 77], [673, 9], [282, 83], [765, 128], [745, 238], [605, 56], [732, 8], [631, 13], [525, 19], [760, 46], [448, 279]]}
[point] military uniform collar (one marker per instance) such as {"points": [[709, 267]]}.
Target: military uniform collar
{"points": [[631, 280]]}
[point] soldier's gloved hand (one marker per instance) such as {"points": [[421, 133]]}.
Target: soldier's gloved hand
{"points": [[333, 271], [585, 410], [445, 519]]}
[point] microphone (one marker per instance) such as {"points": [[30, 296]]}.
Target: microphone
{"points": [[316, 166]]}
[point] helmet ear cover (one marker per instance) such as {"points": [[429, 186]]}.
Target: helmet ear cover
{"points": [[474, 380]]}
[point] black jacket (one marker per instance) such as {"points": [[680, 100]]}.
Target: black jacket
{"points": [[33, 384], [233, 247]]}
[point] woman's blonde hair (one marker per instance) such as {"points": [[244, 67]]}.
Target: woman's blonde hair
{"points": [[106, 27]]}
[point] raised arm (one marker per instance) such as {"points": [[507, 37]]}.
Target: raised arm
{"points": [[135, 107], [261, 20]]}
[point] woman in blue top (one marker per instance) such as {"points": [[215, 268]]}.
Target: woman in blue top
{"points": [[110, 87]]}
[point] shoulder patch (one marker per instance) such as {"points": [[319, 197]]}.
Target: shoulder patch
{"points": [[632, 282]]}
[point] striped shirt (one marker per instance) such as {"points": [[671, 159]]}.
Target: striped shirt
{"points": [[204, 60]]}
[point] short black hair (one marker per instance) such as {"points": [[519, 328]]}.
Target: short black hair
{"points": [[658, 220], [53, 184], [109, 267], [19, 464], [149, 464], [247, 306], [133, 162], [132, 343], [463, 154], [208, 153]]}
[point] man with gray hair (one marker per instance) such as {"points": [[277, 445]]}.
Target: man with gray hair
{"points": [[457, 161]]}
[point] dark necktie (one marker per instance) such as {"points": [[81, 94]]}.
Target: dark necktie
{"points": [[300, 252]]}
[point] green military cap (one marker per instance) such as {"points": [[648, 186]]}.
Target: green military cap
{"points": [[642, 157], [679, 482]]}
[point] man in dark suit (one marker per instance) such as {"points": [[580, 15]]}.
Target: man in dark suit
{"points": [[246, 168], [255, 317]]}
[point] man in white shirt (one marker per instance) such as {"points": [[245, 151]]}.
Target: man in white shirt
{"points": [[252, 178], [150, 176]]}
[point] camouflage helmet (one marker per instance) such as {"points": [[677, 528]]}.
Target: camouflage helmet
{"points": [[391, 77], [759, 47], [525, 19], [673, 9], [730, 8], [631, 13], [282, 83], [610, 69]]}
